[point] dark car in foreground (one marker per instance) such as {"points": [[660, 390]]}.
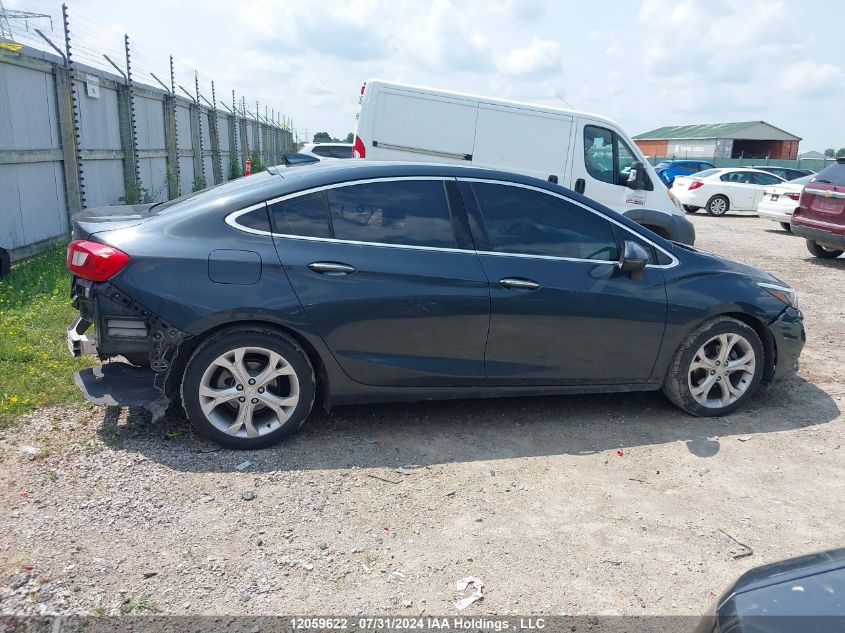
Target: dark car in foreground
{"points": [[797, 595], [360, 281], [820, 215], [668, 170]]}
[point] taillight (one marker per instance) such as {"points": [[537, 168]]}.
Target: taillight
{"points": [[358, 149], [94, 261], [695, 185], [793, 196], [363, 88]]}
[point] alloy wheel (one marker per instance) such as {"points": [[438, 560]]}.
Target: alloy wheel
{"points": [[722, 370], [718, 206], [249, 391]]}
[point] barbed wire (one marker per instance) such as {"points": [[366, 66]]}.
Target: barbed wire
{"points": [[92, 40]]}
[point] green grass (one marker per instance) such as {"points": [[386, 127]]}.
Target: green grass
{"points": [[35, 310]]}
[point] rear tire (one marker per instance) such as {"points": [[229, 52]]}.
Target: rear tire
{"points": [[786, 226], [822, 252], [248, 387], [690, 209], [718, 205], [716, 369]]}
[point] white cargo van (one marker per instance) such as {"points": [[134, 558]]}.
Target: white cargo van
{"points": [[584, 152]]}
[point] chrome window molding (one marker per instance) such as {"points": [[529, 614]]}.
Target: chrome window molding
{"points": [[233, 216], [520, 185]]}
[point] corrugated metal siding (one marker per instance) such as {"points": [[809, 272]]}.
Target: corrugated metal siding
{"points": [[27, 109], [183, 124], [98, 120], [154, 176], [103, 182], [223, 126], [186, 169], [149, 118], [32, 203]]}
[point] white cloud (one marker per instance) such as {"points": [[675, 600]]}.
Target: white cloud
{"points": [[540, 58], [646, 64]]}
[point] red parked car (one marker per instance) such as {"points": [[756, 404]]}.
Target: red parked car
{"points": [[820, 216]]}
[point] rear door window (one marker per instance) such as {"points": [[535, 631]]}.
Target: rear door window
{"points": [[525, 221], [735, 176], [304, 216], [404, 212]]}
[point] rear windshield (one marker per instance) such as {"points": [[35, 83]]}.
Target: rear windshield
{"points": [[217, 191], [706, 172], [832, 175]]}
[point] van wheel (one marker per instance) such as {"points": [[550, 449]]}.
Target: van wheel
{"points": [[718, 205], [690, 209], [716, 369], [786, 226], [822, 252], [248, 387]]}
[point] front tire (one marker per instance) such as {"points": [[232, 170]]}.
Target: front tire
{"points": [[822, 252], [786, 226], [716, 369], [690, 209], [718, 205], [248, 387]]}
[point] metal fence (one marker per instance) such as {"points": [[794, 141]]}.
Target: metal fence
{"points": [[814, 164], [74, 136]]}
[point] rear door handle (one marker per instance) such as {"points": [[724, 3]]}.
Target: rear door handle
{"points": [[331, 268], [516, 283]]}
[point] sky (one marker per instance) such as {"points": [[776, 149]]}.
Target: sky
{"points": [[643, 63]]}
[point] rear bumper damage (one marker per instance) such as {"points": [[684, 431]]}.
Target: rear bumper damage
{"points": [[122, 327]]}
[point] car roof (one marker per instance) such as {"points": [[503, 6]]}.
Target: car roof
{"points": [[327, 172]]}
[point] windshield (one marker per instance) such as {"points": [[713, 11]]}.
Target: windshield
{"points": [[803, 180], [213, 192], [832, 175], [662, 165]]}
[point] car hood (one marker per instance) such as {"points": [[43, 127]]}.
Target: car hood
{"points": [[719, 264]]}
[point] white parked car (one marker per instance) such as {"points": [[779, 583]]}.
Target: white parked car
{"points": [[327, 150], [584, 152], [723, 189], [779, 202]]}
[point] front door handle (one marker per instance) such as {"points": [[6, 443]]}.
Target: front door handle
{"points": [[516, 283], [580, 185], [331, 268]]}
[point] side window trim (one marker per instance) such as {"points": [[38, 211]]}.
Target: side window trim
{"points": [[231, 218], [656, 247]]}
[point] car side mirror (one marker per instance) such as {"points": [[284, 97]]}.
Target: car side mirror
{"points": [[634, 259], [636, 177]]}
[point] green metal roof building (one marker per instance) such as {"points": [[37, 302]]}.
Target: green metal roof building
{"points": [[745, 139]]}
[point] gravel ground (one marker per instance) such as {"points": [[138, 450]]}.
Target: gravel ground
{"points": [[614, 504]]}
